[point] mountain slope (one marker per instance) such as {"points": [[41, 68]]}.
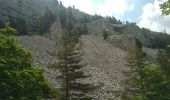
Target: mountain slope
{"points": [[26, 12], [105, 63], [40, 46]]}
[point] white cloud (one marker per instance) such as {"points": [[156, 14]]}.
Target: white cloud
{"points": [[131, 7], [107, 7], [112, 7], [151, 18]]}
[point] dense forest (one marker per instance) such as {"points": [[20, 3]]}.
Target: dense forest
{"points": [[21, 79]]}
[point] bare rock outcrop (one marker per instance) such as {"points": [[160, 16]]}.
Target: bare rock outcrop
{"points": [[55, 30]]}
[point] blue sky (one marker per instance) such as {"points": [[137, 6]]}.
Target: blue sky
{"points": [[137, 11], [146, 13], [134, 13]]}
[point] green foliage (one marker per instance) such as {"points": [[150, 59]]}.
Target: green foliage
{"points": [[18, 79], [131, 58], [110, 98], [156, 40], [8, 30], [165, 7], [105, 35], [69, 65], [138, 43], [160, 41], [154, 84], [135, 57], [134, 60], [45, 22], [162, 60], [154, 80], [111, 20], [168, 51], [19, 24], [139, 97], [83, 29], [137, 54], [96, 17]]}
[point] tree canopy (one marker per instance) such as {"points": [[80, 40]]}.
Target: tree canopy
{"points": [[18, 78], [165, 7]]}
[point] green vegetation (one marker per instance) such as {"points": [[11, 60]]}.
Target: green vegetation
{"points": [[105, 34], [148, 82], [45, 22], [18, 23], [8, 30], [134, 60], [160, 41], [135, 55], [69, 65], [19, 80], [155, 81], [165, 7]]}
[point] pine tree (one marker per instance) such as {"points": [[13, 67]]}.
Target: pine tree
{"points": [[155, 81], [134, 60], [163, 61], [135, 55], [69, 65], [131, 58]]}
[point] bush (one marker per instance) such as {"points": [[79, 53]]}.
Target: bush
{"points": [[153, 83], [8, 30], [105, 34], [18, 78]]}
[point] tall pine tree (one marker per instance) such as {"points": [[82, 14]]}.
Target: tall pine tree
{"points": [[68, 64], [134, 60]]}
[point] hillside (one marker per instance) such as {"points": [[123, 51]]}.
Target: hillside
{"points": [[46, 20], [105, 62], [26, 12], [40, 46], [35, 17]]}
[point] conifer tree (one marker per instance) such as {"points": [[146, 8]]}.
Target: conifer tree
{"points": [[68, 64], [135, 55], [134, 59], [163, 61]]}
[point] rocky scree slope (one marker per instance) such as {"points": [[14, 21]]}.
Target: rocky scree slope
{"points": [[105, 62], [40, 46]]}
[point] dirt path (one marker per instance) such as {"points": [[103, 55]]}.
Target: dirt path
{"points": [[105, 63]]}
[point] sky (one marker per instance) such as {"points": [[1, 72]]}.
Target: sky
{"points": [[146, 13]]}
